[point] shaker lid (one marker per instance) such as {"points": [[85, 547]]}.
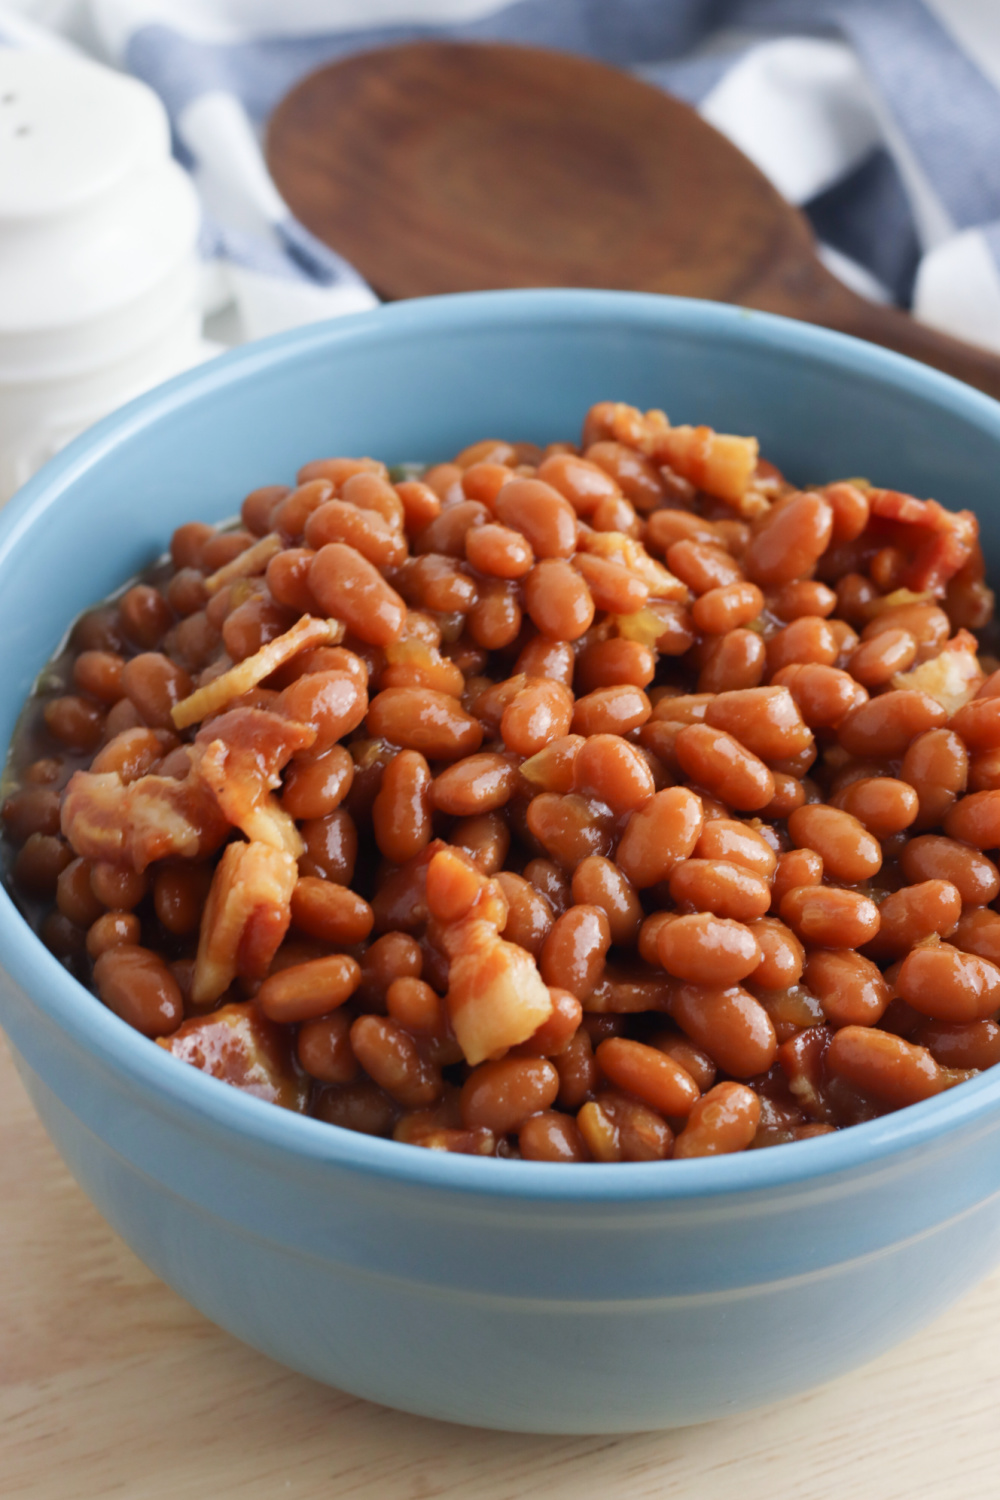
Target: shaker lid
{"points": [[70, 130], [94, 212]]}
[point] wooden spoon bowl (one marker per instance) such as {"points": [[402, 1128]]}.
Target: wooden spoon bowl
{"points": [[445, 167]]}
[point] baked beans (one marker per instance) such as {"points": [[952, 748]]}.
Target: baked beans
{"points": [[599, 805]]}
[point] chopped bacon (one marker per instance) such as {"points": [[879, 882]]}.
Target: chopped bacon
{"points": [[268, 738], [649, 628], [216, 695], [247, 564], [246, 916], [457, 890], [936, 561], [882, 603], [243, 1048], [235, 766], [894, 505], [135, 823], [239, 756], [93, 815], [617, 422], [719, 463], [171, 818], [938, 541], [615, 546], [496, 997], [952, 678], [246, 803]]}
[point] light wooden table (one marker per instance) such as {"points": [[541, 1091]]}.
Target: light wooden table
{"points": [[110, 1385]]}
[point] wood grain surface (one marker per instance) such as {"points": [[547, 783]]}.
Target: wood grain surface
{"points": [[451, 166], [110, 1385]]}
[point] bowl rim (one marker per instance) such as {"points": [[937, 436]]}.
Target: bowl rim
{"points": [[171, 1084]]}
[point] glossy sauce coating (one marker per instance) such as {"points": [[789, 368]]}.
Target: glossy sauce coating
{"points": [[608, 802]]}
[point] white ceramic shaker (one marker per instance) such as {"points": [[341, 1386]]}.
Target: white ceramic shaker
{"points": [[99, 277]]}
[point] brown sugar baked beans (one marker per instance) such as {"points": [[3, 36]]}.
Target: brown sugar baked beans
{"points": [[614, 801]]}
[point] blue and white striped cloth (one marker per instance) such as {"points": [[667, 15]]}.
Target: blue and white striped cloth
{"points": [[880, 118]]}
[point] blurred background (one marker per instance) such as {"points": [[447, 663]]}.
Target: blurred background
{"points": [[141, 232]]}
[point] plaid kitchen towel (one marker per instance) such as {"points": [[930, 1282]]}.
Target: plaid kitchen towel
{"points": [[880, 118]]}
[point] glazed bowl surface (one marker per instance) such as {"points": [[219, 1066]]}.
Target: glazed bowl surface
{"points": [[508, 1294]]}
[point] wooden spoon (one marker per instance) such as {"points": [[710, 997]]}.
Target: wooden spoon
{"points": [[447, 167]]}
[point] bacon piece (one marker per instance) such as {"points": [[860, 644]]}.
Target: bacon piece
{"points": [[247, 805], [952, 678], [142, 821], [719, 463], [894, 505], [247, 914], [615, 546], [216, 695], [936, 561], [239, 756], [243, 1048], [942, 540], [882, 603], [93, 815], [168, 818], [248, 564], [457, 890], [620, 423], [496, 996]]}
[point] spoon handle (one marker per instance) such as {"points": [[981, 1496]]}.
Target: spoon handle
{"points": [[810, 292]]}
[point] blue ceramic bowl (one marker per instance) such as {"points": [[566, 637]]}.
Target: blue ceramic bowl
{"points": [[509, 1294]]}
